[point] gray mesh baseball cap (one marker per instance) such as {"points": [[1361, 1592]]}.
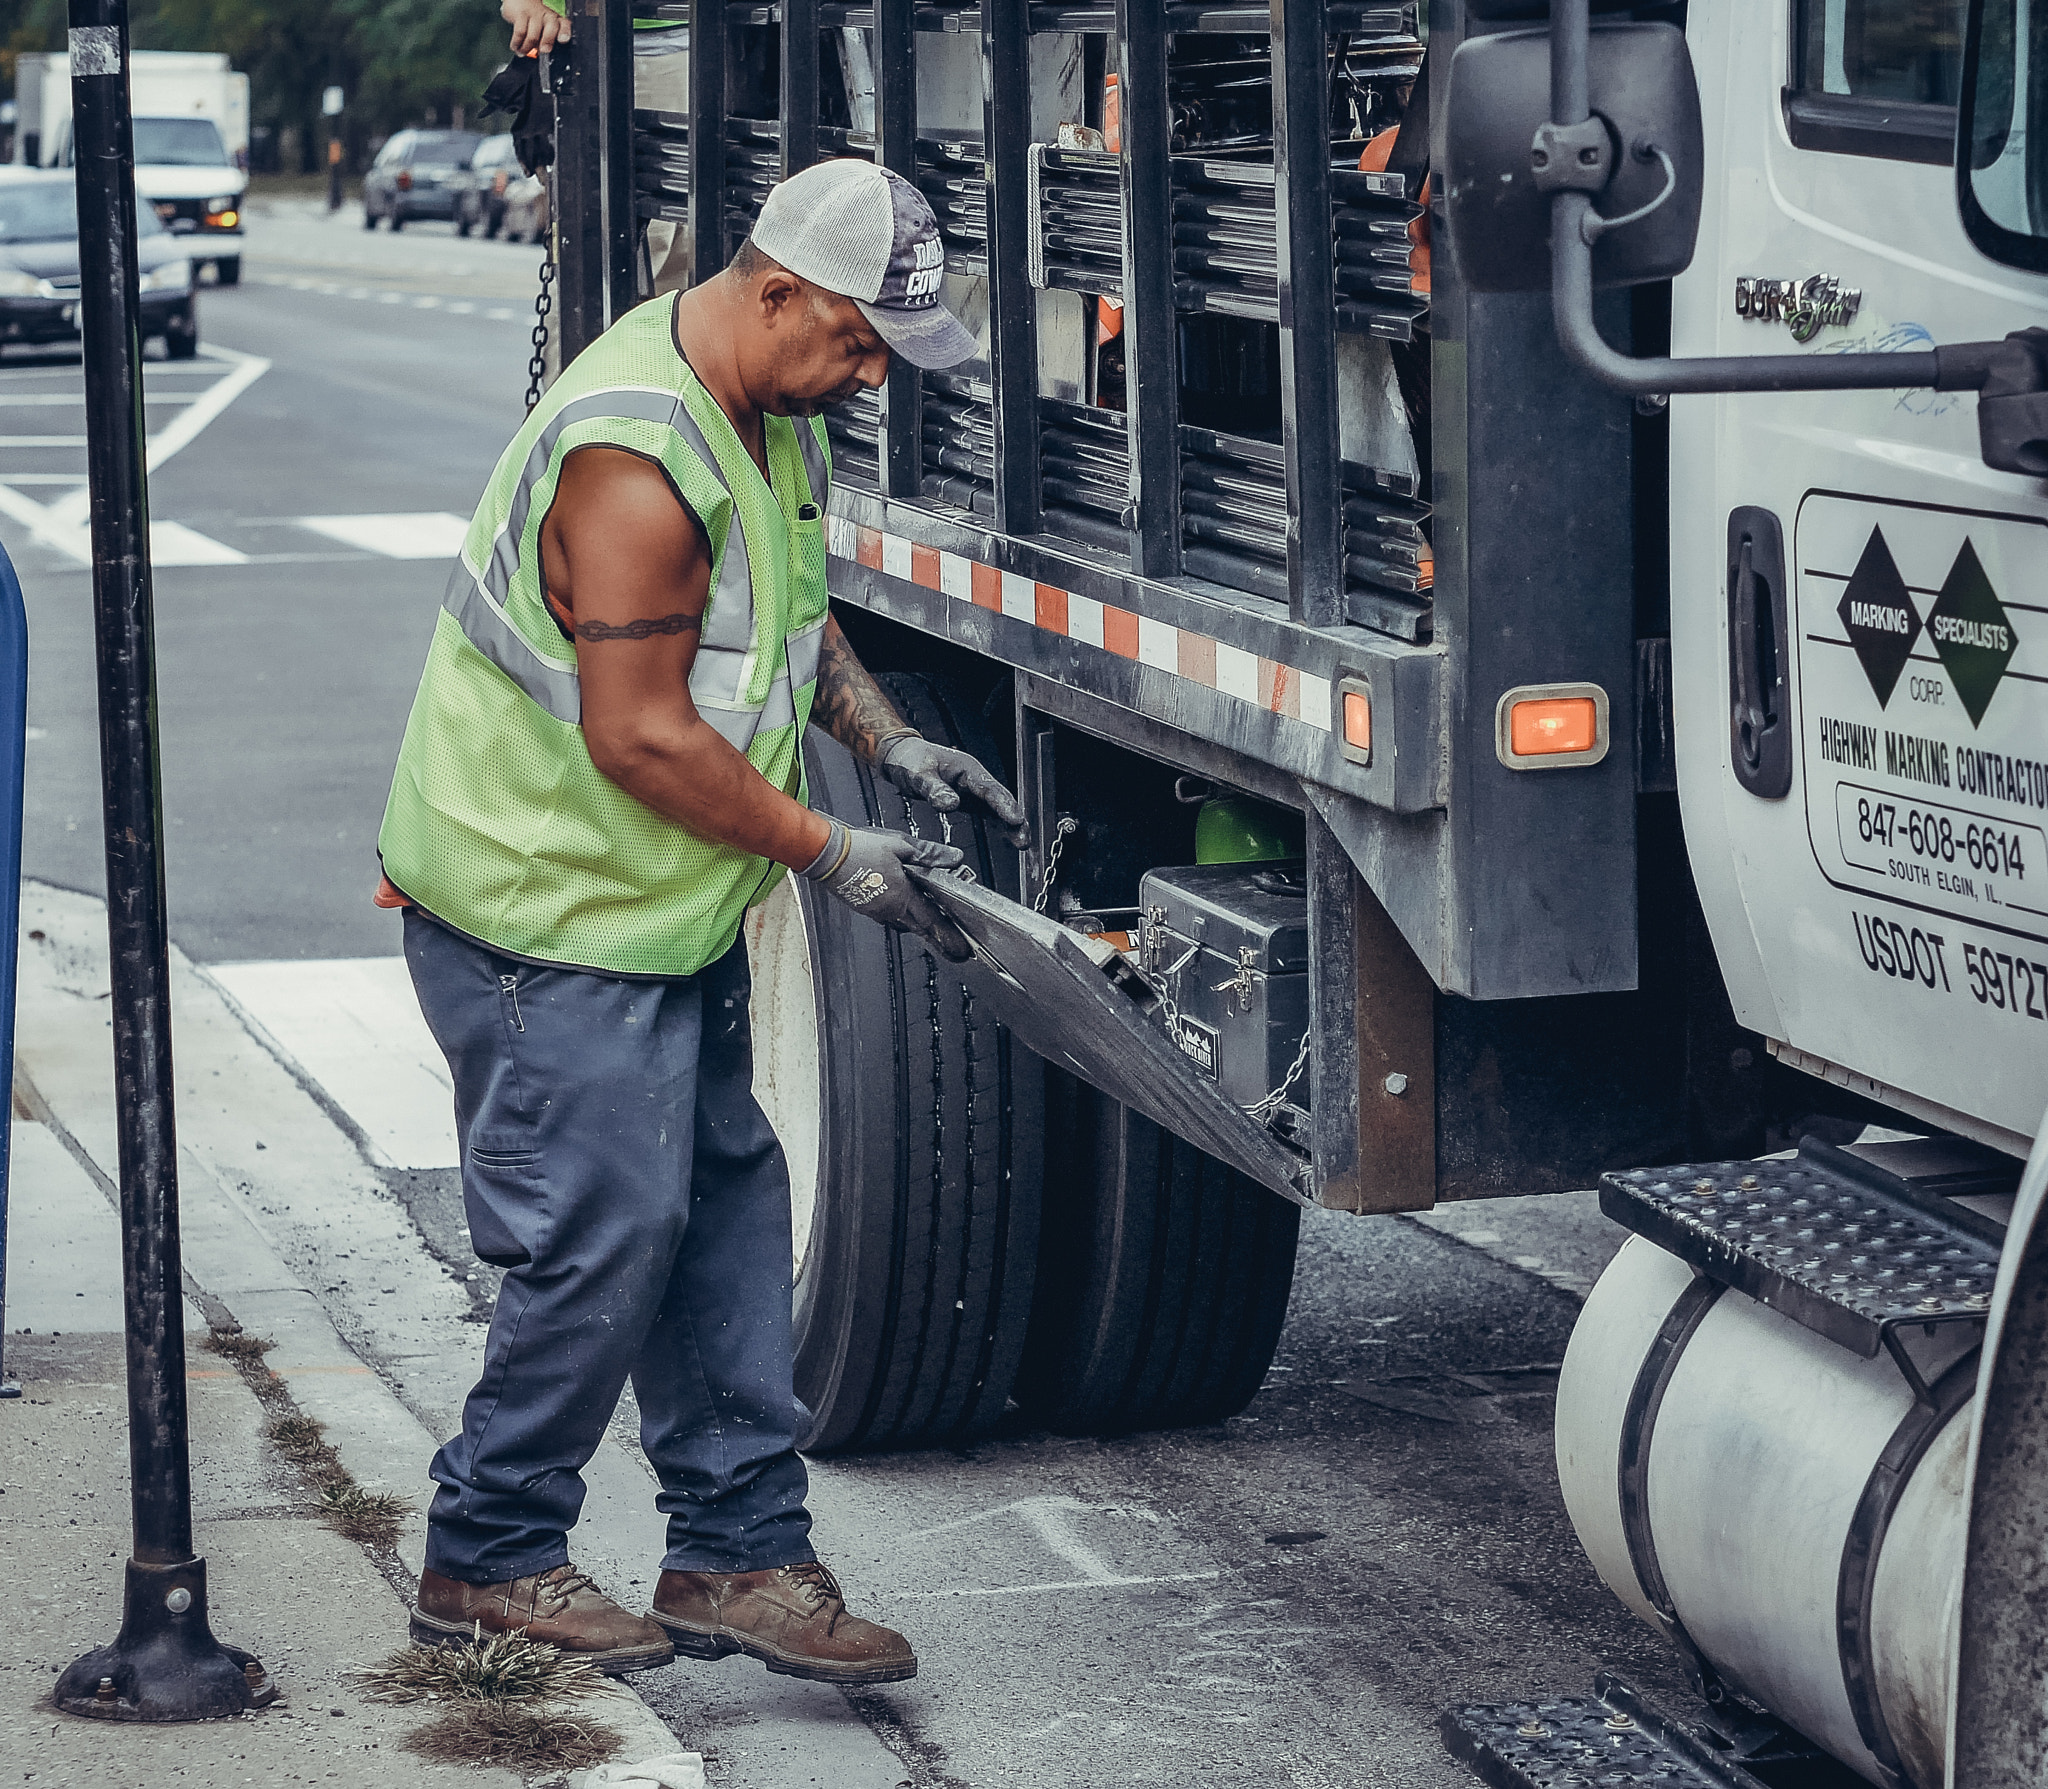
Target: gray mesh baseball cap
{"points": [[867, 234]]}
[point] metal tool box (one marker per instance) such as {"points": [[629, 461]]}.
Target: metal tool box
{"points": [[1229, 943]]}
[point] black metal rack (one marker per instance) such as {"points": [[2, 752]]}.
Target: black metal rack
{"points": [[1189, 222]]}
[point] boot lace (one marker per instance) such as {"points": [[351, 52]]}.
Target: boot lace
{"points": [[815, 1583], [560, 1586]]}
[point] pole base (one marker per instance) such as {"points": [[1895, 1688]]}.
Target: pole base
{"points": [[166, 1665]]}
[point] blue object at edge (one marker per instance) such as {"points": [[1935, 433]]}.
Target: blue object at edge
{"points": [[13, 752]]}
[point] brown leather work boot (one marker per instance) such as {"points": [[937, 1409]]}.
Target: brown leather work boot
{"points": [[561, 1607], [793, 1619]]}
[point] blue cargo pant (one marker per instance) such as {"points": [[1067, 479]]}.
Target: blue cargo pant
{"points": [[615, 1163]]}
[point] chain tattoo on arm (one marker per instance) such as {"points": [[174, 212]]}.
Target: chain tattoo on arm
{"points": [[849, 704], [678, 623]]}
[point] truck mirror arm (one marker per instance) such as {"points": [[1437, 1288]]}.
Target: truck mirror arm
{"points": [[2011, 375]]}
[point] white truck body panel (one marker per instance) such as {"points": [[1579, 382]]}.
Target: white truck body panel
{"points": [[161, 84], [1886, 923]]}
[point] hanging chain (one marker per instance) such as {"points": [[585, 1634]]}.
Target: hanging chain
{"points": [[544, 302], [1067, 825], [1265, 1108]]}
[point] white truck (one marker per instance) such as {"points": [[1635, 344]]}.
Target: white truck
{"points": [[1552, 693], [191, 141]]}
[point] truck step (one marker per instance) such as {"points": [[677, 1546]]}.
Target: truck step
{"points": [[1842, 1244], [1612, 1737]]}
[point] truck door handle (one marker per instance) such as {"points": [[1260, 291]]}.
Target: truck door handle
{"points": [[1759, 655]]}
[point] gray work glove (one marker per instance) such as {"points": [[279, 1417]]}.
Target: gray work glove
{"points": [[868, 870], [940, 775]]}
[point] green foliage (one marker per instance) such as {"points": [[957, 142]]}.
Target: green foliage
{"points": [[400, 62]]}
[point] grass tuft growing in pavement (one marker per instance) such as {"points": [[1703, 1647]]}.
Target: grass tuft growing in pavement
{"points": [[513, 1735], [298, 1439], [236, 1346], [500, 1668], [373, 1517]]}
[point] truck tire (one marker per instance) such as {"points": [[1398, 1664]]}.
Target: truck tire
{"points": [[913, 1126], [1163, 1281]]}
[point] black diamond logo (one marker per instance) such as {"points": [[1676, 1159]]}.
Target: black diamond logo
{"points": [[1972, 632], [1879, 617]]}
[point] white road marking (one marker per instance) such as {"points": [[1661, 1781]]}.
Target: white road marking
{"points": [[1031, 1589], [1051, 1519], [172, 543], [64, 523], [353, 1028], [434, 534]]}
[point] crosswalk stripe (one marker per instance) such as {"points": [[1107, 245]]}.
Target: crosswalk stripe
{"points": [[434, 534]]}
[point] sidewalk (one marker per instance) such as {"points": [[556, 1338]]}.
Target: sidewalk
{"points": [[283, 1584]]}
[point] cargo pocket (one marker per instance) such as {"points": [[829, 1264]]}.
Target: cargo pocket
{"points": [[504, 1197]]}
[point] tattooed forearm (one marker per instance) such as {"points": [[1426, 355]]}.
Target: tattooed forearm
{"points": [[678, 623], [849, 704]]}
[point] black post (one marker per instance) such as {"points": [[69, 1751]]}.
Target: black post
{"points": [[1012, 304], [1151, 324], [166, 1665], [576, 76], [1308, 311], [707, 139], [896, 149]]}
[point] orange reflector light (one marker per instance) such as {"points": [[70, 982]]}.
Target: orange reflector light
{"points": [[1357, 720], [1543, 727], [224, 220]]}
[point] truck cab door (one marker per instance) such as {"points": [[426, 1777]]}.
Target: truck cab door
{"points": [[1859, 605]]}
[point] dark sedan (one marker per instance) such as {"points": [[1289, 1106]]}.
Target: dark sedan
{"points": [[417, 174], [39, 267]]}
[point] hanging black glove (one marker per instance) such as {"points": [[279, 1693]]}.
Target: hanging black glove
{"points": [[516, 91]]}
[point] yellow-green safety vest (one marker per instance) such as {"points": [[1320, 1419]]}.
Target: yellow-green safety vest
{"points": [[498, 822]]}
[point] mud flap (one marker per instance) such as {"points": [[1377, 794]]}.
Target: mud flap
{"points": [[1041, 980]]}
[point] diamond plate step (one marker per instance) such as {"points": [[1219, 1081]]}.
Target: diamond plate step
{"points": [[1569, 1742], [1837, 1243]]}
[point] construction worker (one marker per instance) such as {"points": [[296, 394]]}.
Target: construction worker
{"points": [[602, 771]]}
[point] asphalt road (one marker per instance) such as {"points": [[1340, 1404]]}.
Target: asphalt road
{"points": [[284, 680], [1290, 1598]]}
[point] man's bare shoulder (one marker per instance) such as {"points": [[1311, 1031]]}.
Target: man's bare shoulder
{"points": [[624, 500]]}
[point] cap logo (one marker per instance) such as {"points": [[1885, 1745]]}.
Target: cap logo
{"points": [[928, 267]]}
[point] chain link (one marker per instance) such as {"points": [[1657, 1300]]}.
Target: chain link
{"points": [[1265, 1108], [544, 302], [1068, 824]]}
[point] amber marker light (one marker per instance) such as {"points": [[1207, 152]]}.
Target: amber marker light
{"points": [[1557, 724], [1551, 726], [1354, 699]]}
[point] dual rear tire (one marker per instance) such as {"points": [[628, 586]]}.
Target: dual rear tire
{"points": [[969, 1228]]}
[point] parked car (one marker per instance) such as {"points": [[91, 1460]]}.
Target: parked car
{"points": [[418, 173], [480, 194], [526, 208], [39, 276]]}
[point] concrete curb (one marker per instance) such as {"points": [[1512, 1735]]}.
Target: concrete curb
{"points": [[234, 1267]]}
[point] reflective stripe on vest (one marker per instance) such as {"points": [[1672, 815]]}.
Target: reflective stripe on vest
{"points": [[726, 646]]}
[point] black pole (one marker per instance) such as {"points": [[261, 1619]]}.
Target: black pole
{"points": [[166, 1665]]}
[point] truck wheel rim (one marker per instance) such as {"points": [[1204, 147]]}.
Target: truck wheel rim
{"points": [[788, 1073]]}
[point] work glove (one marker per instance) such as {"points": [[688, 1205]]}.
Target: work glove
{"points": [[869, 869], [940, 775]]}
